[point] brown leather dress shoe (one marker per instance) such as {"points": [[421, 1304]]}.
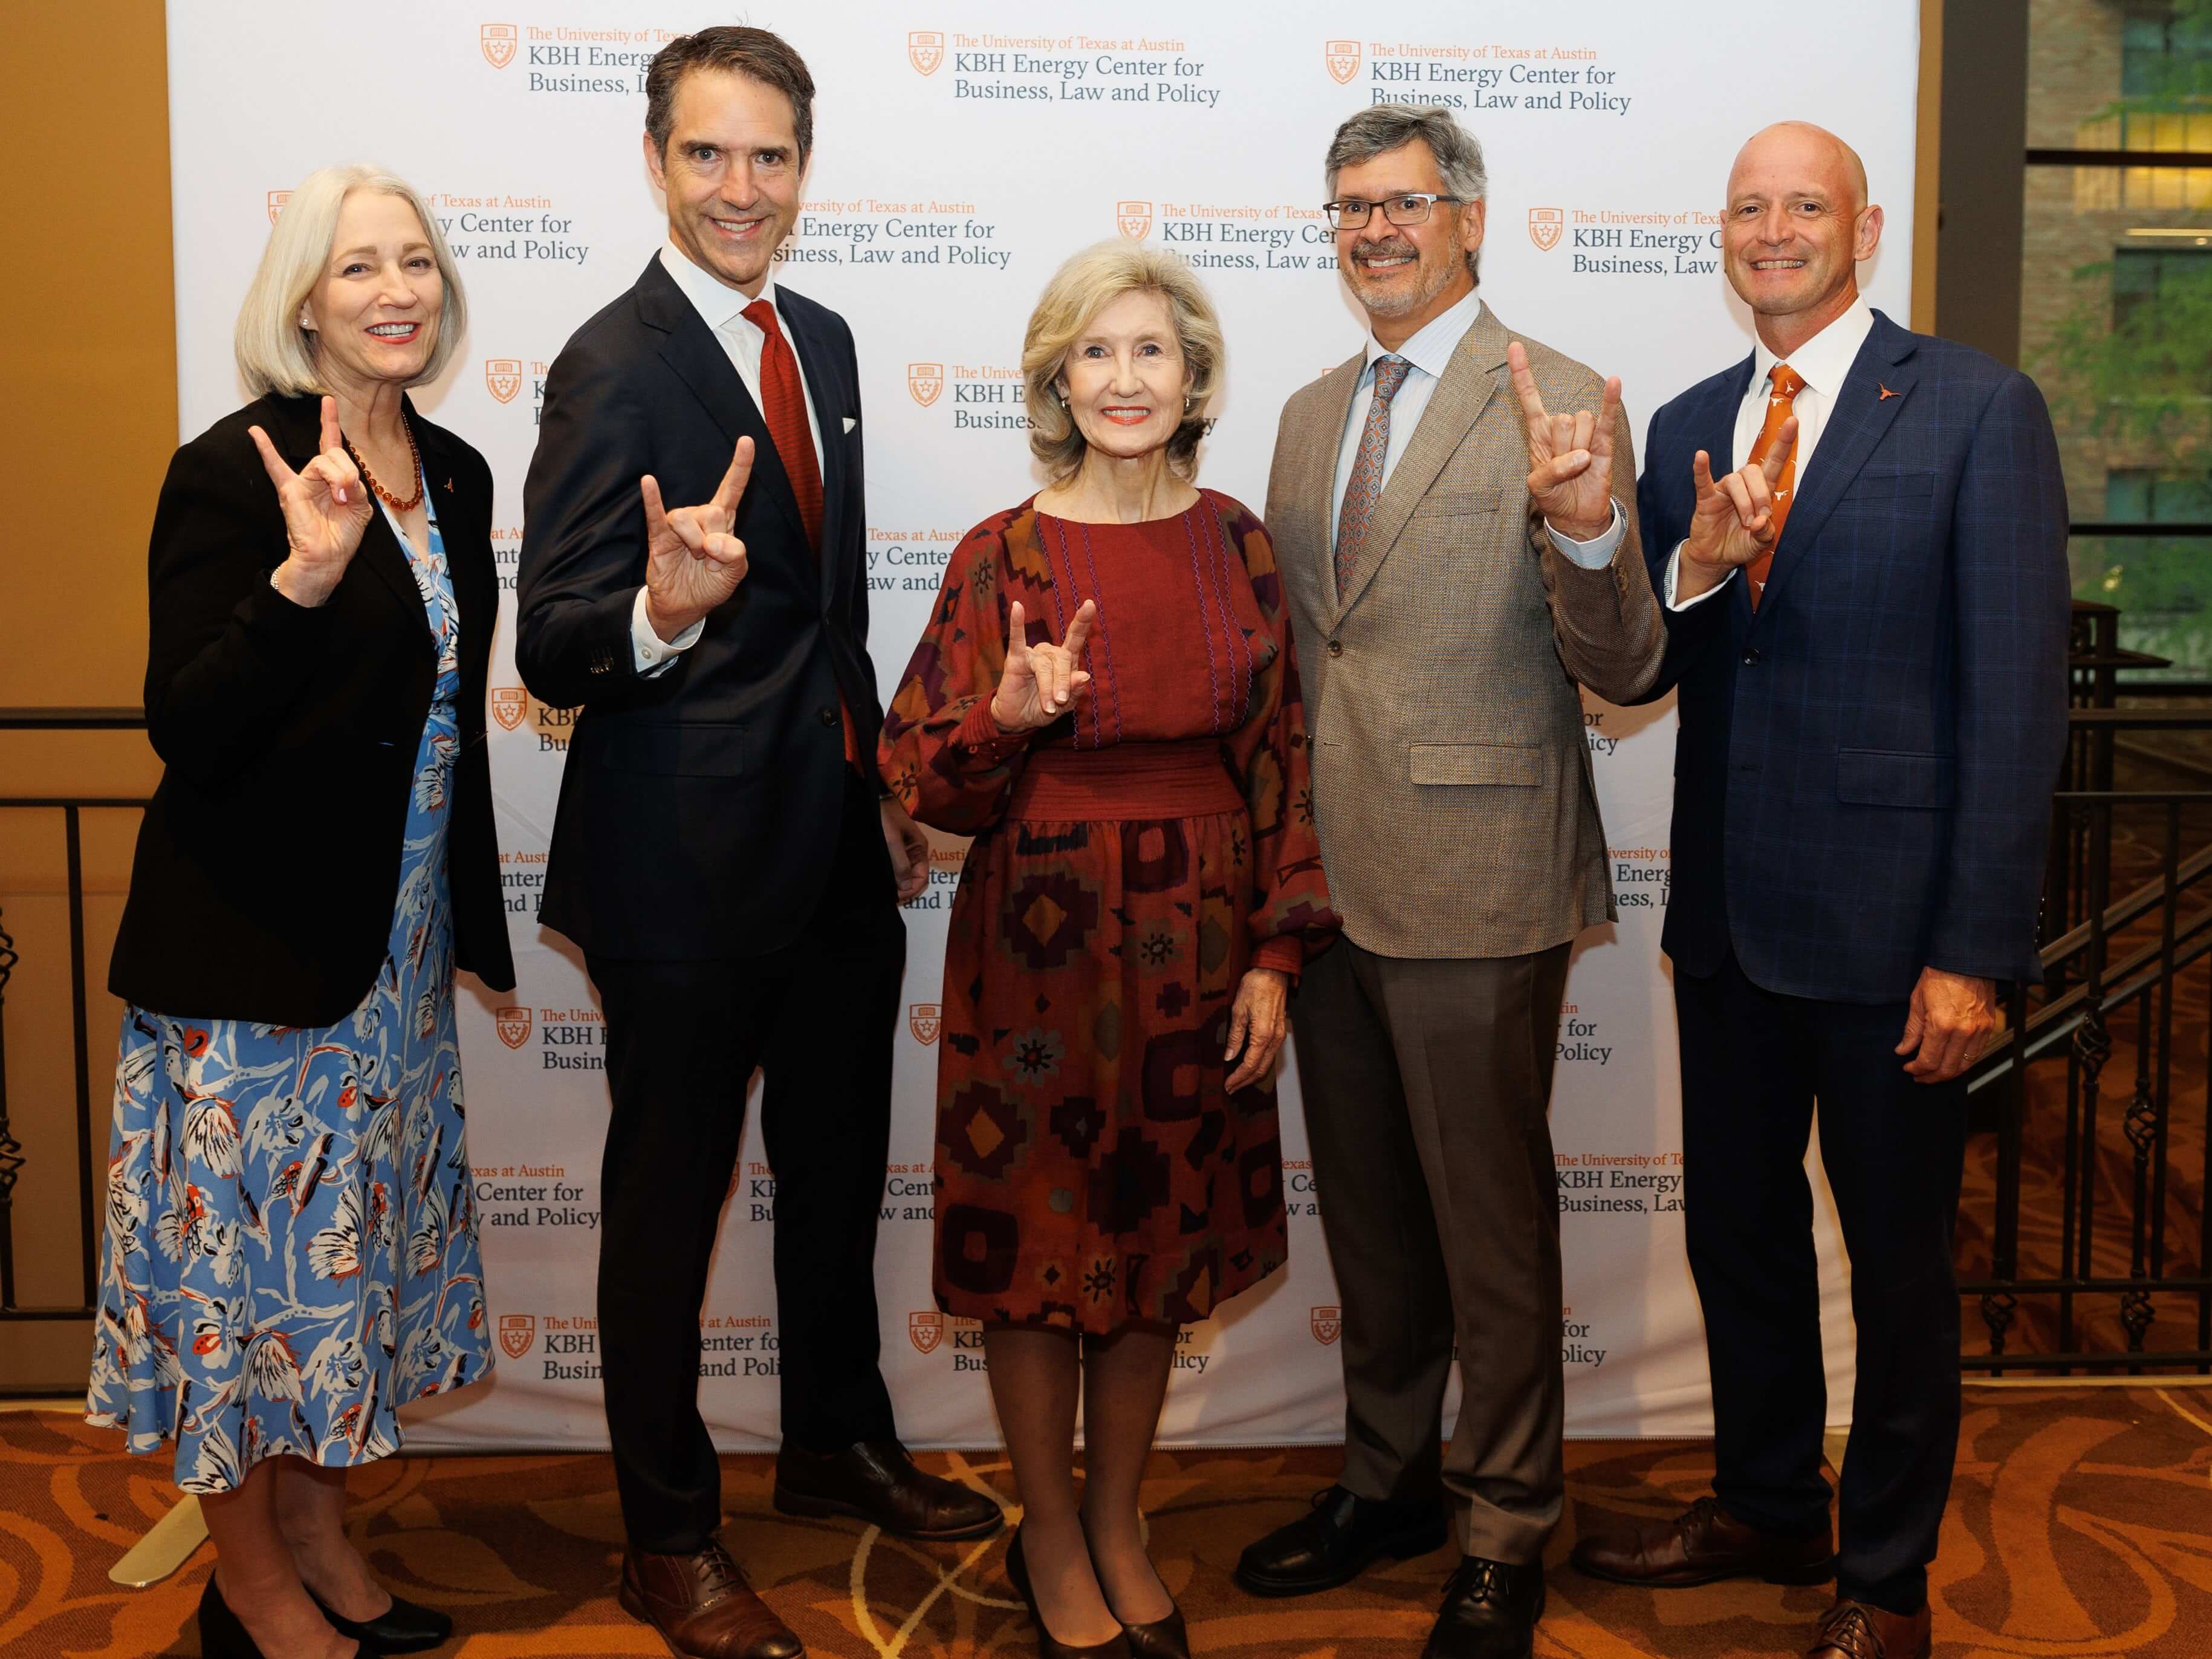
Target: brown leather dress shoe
{"points": [[876, 1481], [1701, 1545], [1859, 1630], [703, 1606]]}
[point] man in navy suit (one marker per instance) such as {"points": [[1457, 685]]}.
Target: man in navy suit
{"points": [[722, 851], [1858, 536]]}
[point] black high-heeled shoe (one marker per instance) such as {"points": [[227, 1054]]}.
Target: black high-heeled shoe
{"points": [[404, 1627], [221, 1636], [1048, 1646], [1159, 1638]]}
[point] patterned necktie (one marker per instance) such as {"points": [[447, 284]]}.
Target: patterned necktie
{"points": [[1786, 383], [1365, 483], [783, 401]]}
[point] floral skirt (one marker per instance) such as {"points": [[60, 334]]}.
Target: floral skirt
{"points": [[291, 1241]]}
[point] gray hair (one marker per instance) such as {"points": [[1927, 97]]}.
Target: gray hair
{"points": [[274, 354], [1383, 127]]}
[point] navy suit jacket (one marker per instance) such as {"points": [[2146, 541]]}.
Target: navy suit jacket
{"points": [[698, 807], [1863, 773]]}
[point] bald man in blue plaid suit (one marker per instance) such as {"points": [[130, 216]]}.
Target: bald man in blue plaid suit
{"points": [[1872, 679]]}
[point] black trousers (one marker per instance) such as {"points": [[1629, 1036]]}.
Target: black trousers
{"points": [[818, 1017], [1753, 1065]]}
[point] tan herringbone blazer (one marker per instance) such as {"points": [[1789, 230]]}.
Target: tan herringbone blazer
{"points": [[1451, 779]]}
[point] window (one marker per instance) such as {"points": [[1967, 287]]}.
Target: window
{"points": [[2142, 277], [2143, 494], [2163, 55]]}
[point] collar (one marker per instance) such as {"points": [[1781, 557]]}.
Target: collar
{"points": [[715, 301], [1824, 359], [1430, 350]]}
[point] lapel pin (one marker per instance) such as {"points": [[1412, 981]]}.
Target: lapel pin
{"points": [[449, 484], [1887, 394]]}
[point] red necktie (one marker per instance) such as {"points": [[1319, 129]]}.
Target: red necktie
{"points": [[783, 402]]}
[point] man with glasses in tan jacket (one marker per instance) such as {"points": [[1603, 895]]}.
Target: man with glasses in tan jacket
{"points": [[1458, 558]]}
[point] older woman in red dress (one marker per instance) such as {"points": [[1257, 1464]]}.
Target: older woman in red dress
{"points": [[1106, 699]]}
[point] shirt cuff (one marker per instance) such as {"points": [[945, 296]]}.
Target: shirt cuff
{"points": [[1675, 564], [1284, 953], [651, 653], [1593, 555]]}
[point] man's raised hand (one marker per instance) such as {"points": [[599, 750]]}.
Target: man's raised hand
{"points": [[692, 561], [1040, 681], [326, 508], [1733, 522], [1569, 456]]}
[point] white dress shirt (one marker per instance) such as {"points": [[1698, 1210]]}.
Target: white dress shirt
{"points": [[1822, 361], [722, 308], [1426, 355]]}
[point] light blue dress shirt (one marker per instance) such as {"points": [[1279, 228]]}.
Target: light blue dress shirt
{"points": [[1427, 355]]}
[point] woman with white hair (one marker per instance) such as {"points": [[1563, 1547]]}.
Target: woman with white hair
{"points": [[291, 1248], [1106, 698]]}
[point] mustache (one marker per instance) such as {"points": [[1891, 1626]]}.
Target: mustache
{"points": [[1396, 247]]}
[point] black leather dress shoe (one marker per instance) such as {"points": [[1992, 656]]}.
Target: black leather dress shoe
{"points": [[1489, 1612], [402, 1627], [1330, 1546], [876, 1481]]}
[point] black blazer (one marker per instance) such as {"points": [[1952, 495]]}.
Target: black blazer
{"points": [[699, 808], [268, 864]]}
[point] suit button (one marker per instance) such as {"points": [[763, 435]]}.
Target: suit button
{"points": [[1751, 657], [829, 715], [1336, 647]]}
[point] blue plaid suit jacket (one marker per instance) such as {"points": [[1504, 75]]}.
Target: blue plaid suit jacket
{"points": [[1863, 770]]}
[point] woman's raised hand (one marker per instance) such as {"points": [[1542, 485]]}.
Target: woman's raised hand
{"points": [[1040, 681], [326, 508]]}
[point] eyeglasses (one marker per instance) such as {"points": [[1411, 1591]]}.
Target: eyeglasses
{"points": [[1410, 209]]}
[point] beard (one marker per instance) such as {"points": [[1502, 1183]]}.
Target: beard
{"points": [[1397, 303]]}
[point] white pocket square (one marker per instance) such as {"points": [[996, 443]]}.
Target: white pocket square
{"points": [[851, 420]]}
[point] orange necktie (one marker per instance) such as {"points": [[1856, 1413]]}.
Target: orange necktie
{"points": [[783, 404], [1785, 383]]}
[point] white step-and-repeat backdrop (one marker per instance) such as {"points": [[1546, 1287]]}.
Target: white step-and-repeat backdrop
{"points": [[956, 165]]}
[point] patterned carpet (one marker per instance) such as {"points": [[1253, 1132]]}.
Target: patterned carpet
{"points": [[2081, 1528]]}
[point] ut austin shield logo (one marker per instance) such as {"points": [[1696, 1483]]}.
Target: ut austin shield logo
{"points": [[924, 1020], [1546, 227], [925, 50], [925, 381], [1327, 1324], [1134, 219], [509, 703], [925, 1330], [513, 1025], [516, 1332], [277, 200], [497, 42], [503, 377], [1342, 57]]}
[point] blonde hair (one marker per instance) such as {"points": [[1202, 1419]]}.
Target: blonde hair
{"points": [[274, 354], [1082, 288]]}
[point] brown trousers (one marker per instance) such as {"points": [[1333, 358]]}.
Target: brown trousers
{"points": [[1425, 1084]]}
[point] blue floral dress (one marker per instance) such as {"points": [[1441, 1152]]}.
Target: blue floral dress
{"points": [[291, 1246]]}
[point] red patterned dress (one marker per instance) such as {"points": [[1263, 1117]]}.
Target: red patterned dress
{"points": [[1131, 861]]}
